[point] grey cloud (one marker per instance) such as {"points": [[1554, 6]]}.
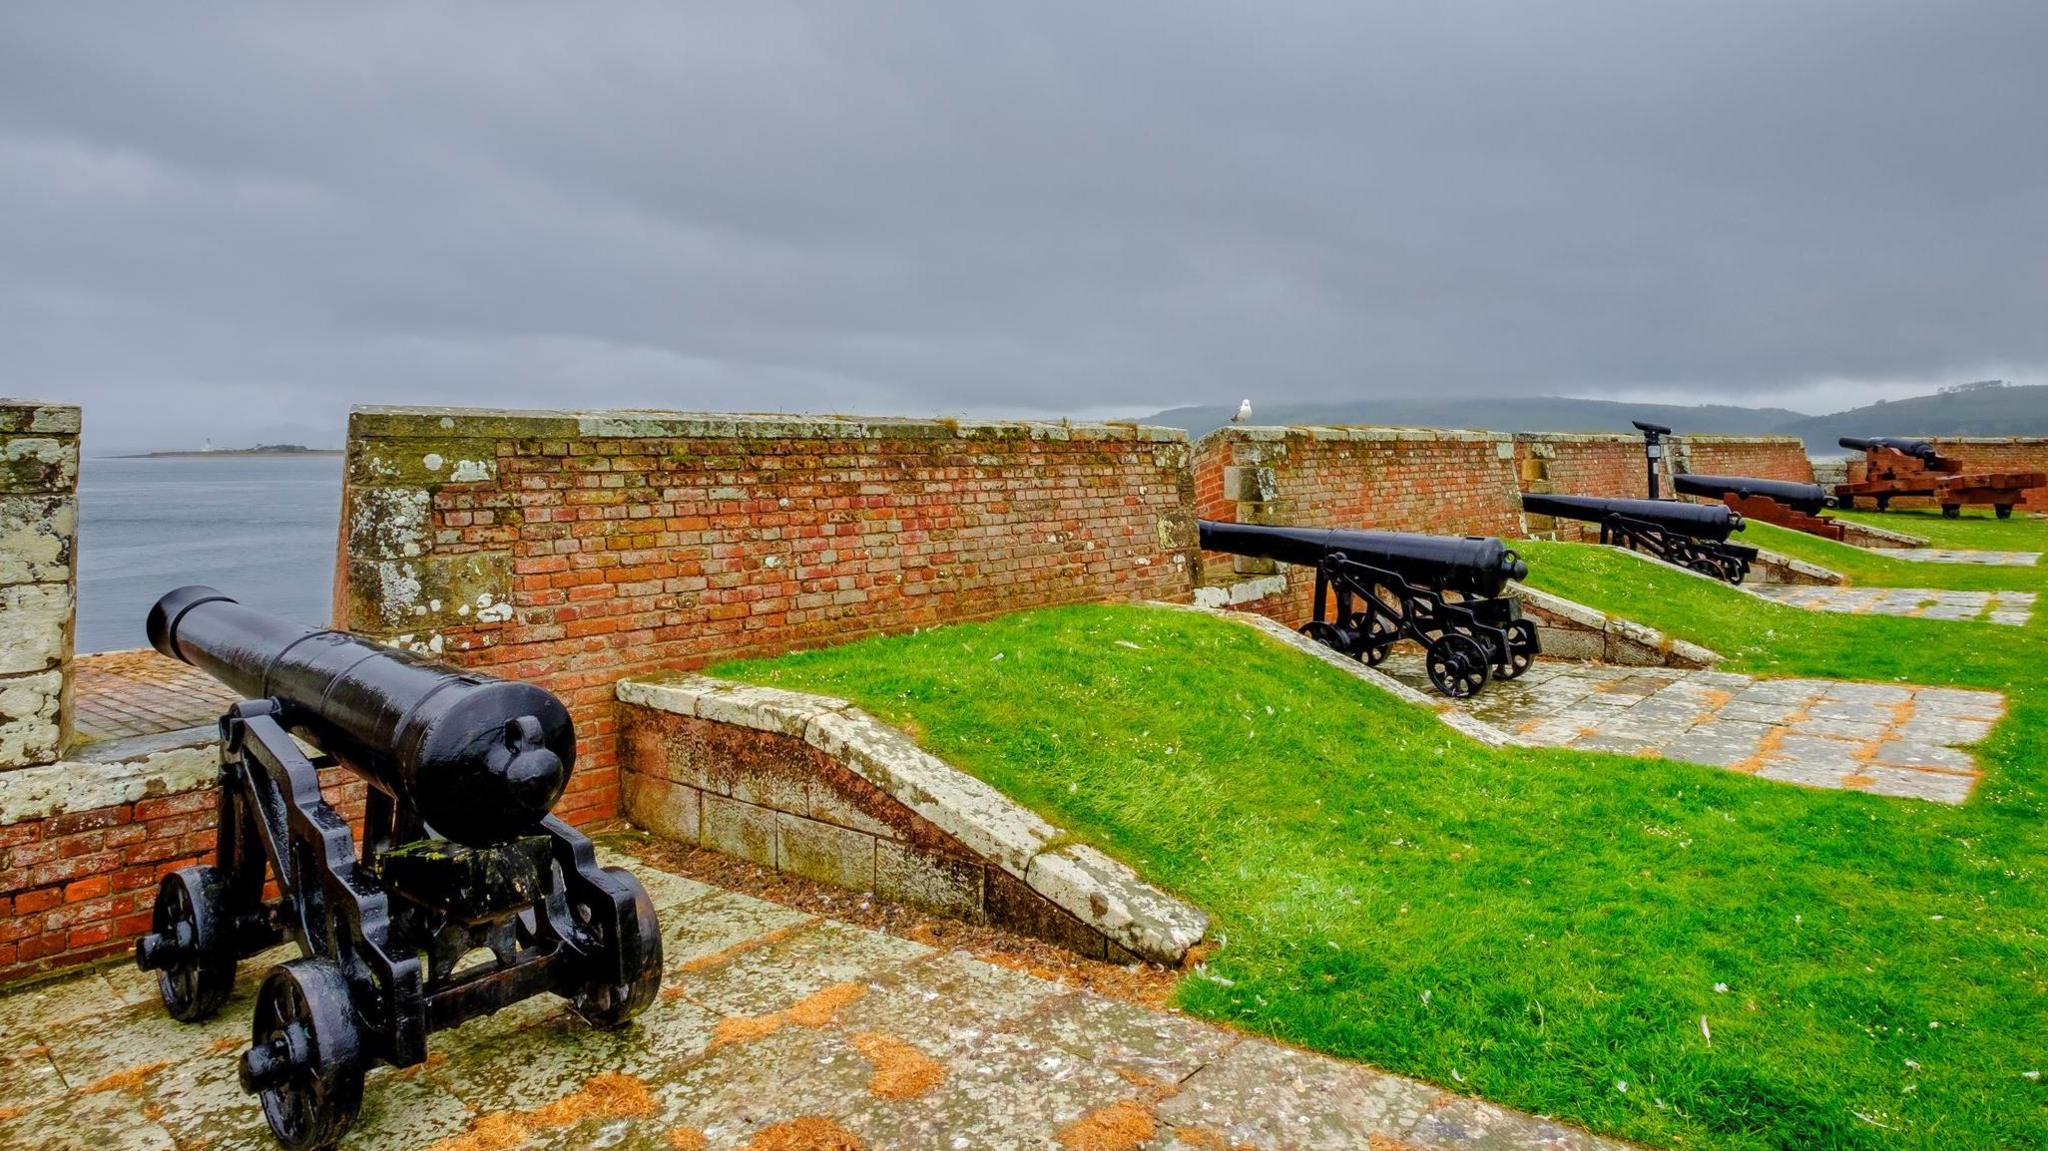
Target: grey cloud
{"points": [[233, 217]]}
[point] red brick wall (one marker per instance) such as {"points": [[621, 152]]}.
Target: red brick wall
{"points": [[78, 885], [1764, 457], [1384, 479], [595, 546], [1578, 464]]}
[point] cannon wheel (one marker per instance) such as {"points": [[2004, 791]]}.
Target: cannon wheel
{"points": [[1521, 650], [1458, 665], [1327, 634], [1951, 511], [2003, 511], [191, 943], [305, 1061], [609, 1005]]}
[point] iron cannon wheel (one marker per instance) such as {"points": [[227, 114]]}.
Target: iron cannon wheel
{"points": [[1327, 634], [305, 1061], [605, 1004], [1458, 665], [191, 943], [1380, 636], [1521, 650]]}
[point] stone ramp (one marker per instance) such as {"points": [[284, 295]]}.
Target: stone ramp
{"points": [[121, 696], [1963, 556], [2001, 607], [1885, 739], [776, 1029]]}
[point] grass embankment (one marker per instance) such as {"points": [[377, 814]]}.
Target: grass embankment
{"points": [[1671, 953]]}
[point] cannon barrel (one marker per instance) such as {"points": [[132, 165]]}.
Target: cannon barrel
{"points": [[1807, 498], [1919, 449], [1699, 521], [480, 759], [1473, 565]]}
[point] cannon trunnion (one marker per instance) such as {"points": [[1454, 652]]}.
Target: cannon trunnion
{"points": [[1687, 534], [1442, 592], [465, 895]]}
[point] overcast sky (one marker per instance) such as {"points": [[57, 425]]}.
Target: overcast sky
{"points": [[222, 220]]}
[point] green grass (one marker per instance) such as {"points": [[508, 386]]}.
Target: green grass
{"points": [[1542, 927], [1874, 567], [1975, 528]]}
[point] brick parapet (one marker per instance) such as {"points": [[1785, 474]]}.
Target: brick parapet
{"points": [[576, 548]]}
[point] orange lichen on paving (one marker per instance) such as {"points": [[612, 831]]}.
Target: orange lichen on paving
{"points": [[687, 1139], [807, 1133], [428, 1064], [1208, 1139], [226, 1043], [1379, 1142], [818, 1009], [1764, 749], [901, 1071], [129, 1080], [766, 939], [607, 1096], [7, 1113], [1125, 1125], [821, 1008]]}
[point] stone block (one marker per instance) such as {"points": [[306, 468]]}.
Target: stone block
{"points": [[38, 417], [738, 829], [409, 600], [38, 538], [825, 853], [31, 719], [426, 463], [946, 884], [35, 627], [38, 464], [670, 810], [1111, 899]]}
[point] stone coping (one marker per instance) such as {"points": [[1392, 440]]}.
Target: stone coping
{"points": [[1579, 438], [633, 423], [69, 786], [1892, 537], [1357, 432], [46, 416], [1081, 880], [1623, 633], [1691, 438], [1988, 440]]}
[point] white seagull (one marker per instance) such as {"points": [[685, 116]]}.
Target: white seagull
{"points": [[1244, 412]]}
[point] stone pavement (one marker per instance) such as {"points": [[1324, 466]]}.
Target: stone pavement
{"points": [[776, 1031], [2006, 607], [1963, 556], [128, 694], [1886, 739]]}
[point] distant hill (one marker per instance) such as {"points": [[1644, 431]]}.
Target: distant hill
{"points": [[2007, 411], [1975, 411]]}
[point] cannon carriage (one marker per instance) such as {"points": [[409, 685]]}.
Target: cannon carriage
{"points": [[1374, 589], [464, 895], [1690, 535], [1896, 466], [1786, 503]]}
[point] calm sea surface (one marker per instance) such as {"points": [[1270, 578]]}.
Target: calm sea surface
{"points": [[261, 530]]}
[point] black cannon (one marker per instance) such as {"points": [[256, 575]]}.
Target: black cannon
{"points": [[1690, 535], [1919, 449], [1394, 585], [465, 895], [1807, 499]]}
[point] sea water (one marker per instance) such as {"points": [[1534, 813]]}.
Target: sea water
{"points": [[259, 528]]}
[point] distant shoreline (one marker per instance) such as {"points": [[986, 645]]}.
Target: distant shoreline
{"points": [[238, 453]]}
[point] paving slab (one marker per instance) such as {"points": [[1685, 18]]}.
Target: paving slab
{"points": [[1962, 556], [774, 1029], [2000, 607], [1888, 739]]}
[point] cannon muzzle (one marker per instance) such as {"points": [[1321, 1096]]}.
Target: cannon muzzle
{"points": [[1472, 565], [1698, 521], [481, 760], [1807, 498], [1918, 449]]}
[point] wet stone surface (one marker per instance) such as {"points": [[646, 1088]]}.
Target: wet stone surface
{"points": [[775, 1030], [2006, 607], [1963, 556], [1888, 739]]}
